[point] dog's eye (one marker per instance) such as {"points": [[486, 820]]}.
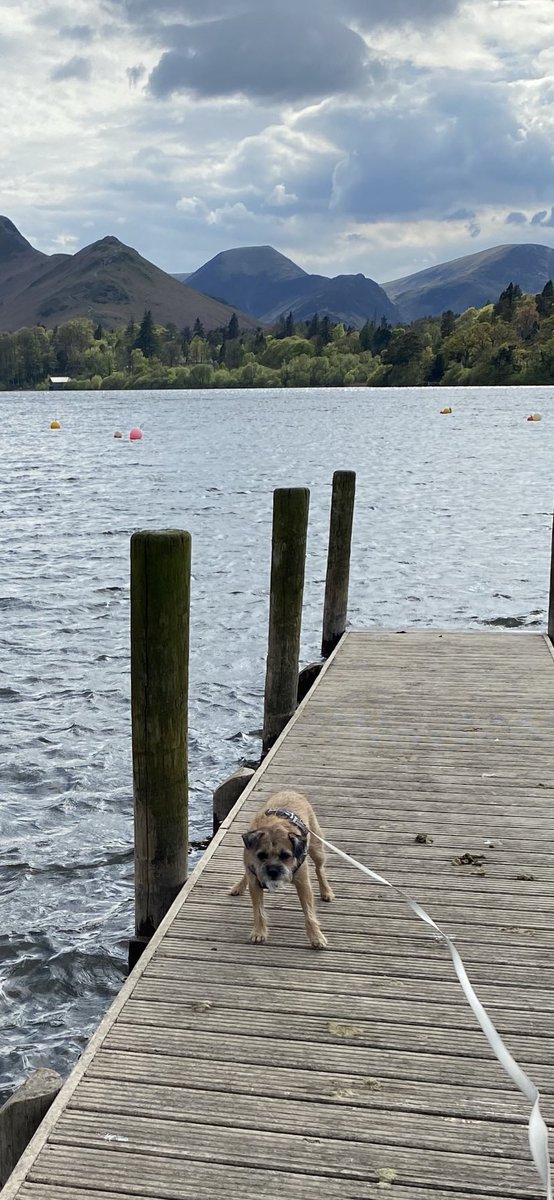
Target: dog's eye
{"points": [[262, 855], [284, 855]]}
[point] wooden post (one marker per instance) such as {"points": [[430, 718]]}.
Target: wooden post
{"points": [[551, 596], [22, 1114], [288, 559], [160, 603], [338, 561]]}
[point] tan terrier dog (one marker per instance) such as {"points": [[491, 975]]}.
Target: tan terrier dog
{"points": [[275, 850]]}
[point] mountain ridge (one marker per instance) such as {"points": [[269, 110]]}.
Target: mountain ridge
{"points": [[106, 281], [266, 284], [472, 280]]}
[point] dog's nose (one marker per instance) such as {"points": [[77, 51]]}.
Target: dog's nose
{"points": [[274, 871]]}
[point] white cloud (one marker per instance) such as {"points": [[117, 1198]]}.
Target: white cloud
{"points": [[280, 198]]}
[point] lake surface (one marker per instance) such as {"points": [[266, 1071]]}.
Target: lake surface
{"points": [[452, 529]]}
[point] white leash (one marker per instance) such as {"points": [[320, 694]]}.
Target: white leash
{"points": [[538, 1132]]}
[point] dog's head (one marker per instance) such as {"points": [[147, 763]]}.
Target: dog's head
{"points": [[272, 852]]}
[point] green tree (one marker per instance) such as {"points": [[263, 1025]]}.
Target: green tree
{"points": [[507, 302], [146, 339], [233, 327], [313, 330], [448, 323], [545, 300]]}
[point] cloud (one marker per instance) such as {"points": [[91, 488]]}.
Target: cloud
{"points": [[135, 74], [76, 68], [263, 56], [400, 12], [78, 33], [516, 218], [280, 198], [544, 218], [453, 144]]}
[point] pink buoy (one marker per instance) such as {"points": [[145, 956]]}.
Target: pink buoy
{"points": [[135, 435]]}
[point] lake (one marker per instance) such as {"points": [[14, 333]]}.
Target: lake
{"points": [[452, 529]]}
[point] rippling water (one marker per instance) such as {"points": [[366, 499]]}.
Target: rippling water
{"points": [[452, 528]]}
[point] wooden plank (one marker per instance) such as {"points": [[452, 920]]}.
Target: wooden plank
{"points": [[213, 990], [355, 1060], [261, 972], [176, 1144], [462, 1098], [341, 1031]]}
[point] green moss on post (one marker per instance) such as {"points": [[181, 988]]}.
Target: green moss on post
{"points": [[288, 559], [338, 561], [160, 604]]}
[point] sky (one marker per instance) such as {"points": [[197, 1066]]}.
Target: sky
{"points": [[380, 136]]}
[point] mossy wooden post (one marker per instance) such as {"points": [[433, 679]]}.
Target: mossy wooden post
{"points": [[335, 607], [160, 603], [551, 596], [288, 560]]}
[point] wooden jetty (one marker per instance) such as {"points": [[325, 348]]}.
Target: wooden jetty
{"points": [[227, 1069]]}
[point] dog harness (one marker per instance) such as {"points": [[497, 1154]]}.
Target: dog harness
{"points": [[295, 820]]}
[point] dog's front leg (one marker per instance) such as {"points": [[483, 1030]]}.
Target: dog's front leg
{"points": [[305, 895], [259, 928]]}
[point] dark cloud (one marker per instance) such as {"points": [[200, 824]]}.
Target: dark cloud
{"points": [[459, 145], [78, 33], [367, 14], [263, 56], [76, 68], [544, 218], [370, 13], [461, 214], [516, 218]]}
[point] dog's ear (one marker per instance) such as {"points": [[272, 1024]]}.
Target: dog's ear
{"points": [[298, 846], [251, 838]]}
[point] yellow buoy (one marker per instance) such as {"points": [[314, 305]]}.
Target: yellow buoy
{"points": [[446, 410], [55, 425]]}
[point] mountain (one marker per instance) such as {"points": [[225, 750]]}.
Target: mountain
{"points": [[20, 263], [253, 276], [107, 282], [472, 281], [266, 284]]}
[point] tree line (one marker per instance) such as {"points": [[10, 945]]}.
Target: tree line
{"points": [[508, 342]]}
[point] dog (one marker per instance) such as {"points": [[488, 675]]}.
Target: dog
{"points": [[275, 853]]}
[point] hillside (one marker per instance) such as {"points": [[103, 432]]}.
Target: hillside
{"points": [[266, 284], [107, 282], [472, 281], [20, 263], [349, 299]]}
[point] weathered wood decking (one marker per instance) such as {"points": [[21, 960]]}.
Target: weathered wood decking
{"points": [[225, 1069]]}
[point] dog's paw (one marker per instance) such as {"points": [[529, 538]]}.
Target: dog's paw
{"points": [[237, 890], [328, 896], [258, 938], [319, 941]]}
